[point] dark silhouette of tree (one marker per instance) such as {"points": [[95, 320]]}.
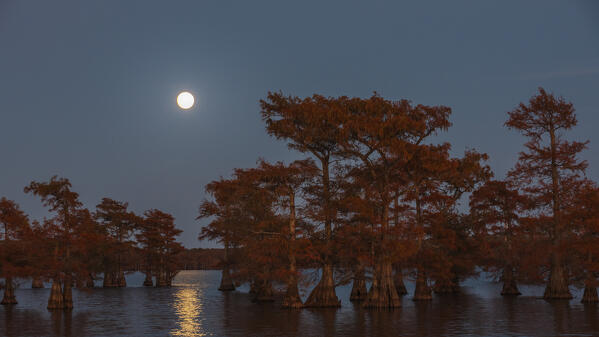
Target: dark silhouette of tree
{"points": [[546, 171]]}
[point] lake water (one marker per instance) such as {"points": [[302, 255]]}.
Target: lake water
{"points": [[193, 307]]}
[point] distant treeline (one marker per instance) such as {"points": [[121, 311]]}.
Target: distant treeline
{"points": [[201, 259]]}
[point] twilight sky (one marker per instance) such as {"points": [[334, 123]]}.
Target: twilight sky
{"points": [[87, 88]]}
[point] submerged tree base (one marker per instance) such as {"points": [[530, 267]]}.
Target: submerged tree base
{"points": [[109, 280], [400, 287], [510, 288], [226, 282], [148, 280], [323, 295], [67, 295], [382, 294], [9, 293], [56, 300], [37, 282], [590, 295], [292, 299], [423, 291], [120, 280], [358, 290], [557, 287], [264, 292]]}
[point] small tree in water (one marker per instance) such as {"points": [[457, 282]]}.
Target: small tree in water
{"points": [[119, 225], [547, 170], [221, 208], [585, 215], [14, 231], [158, 237], [495, 210], [64, 237]]}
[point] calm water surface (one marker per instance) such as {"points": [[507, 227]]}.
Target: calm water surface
{"points": [[193, 307]]}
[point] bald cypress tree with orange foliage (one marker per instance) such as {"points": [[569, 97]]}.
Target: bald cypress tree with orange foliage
{"points": [[496, 208], [381, 137], [14, 256], [158, 238], [66, 238], [585, 216], [547, 171], [310, 125], [434, 184], [222, 209], [119, 225], [286, 182]]}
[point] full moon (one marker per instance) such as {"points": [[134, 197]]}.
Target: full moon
{"points": [[185, 100]]}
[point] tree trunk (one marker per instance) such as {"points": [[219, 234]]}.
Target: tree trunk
{"points": [[120, 280], [37, 282], [590, 290], [422, 291], [510, 288], [162, 279], [67, 294], [226, 283], [382, 293], [56, 300], [292, 299], [557, 285], [358, 290], [148, 280], [108, 280], [323, 295], [9, 292], [400, 287], [264, 293], [89, 283], [590, 295], [253, 287]]}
